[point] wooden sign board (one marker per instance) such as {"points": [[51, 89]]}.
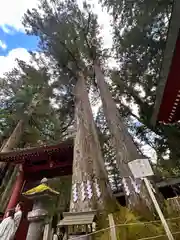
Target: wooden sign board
{"points": [[140, 168]]}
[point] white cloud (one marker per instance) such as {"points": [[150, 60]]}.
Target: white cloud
{"points": [[7, 29], [3, 45], [9, 61], [11, 12]]}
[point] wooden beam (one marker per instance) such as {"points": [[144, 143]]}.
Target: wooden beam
{"points": [[173, 33], [112, 230], [28, 152], [168, 182]]}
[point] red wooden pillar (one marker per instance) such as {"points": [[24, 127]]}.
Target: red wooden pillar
{"points": [[24, 225], [16, 193]]}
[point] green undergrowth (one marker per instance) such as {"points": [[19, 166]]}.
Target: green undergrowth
{"points": [[174, 218], [134, 226], [129, 226]]}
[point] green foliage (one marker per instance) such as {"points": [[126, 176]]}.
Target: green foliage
{"points": [[48, 122], [69, 38], [139, 38], [131, 227]]}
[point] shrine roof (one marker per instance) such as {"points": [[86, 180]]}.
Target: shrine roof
{"points": [[21, 155], [167, 104], [77, 218]]}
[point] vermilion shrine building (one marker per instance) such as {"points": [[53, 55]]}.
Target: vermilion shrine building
{"points": [[167, 105], [37, 163], [51, 161]]}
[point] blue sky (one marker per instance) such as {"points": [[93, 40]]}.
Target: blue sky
{"points": [[14, 43], [16, 40]]}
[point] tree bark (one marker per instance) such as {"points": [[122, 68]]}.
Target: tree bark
{"points": [[125, 148], [89, 179], [12, 141], [9, 189], [123, 144], [15, 137]]}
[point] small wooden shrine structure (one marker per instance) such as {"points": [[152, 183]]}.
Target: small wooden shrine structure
{"points": [[167, 105], [35, 164], [78, 224]]}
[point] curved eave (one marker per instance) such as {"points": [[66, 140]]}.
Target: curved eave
{"points": [[20, 156], [167, 68]]}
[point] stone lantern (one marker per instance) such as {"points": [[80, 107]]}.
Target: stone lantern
{"points": [[39, 213], [78, 224]]}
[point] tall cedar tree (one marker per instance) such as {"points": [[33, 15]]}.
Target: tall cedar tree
{"points": [[62, 38], [69, 36]]}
